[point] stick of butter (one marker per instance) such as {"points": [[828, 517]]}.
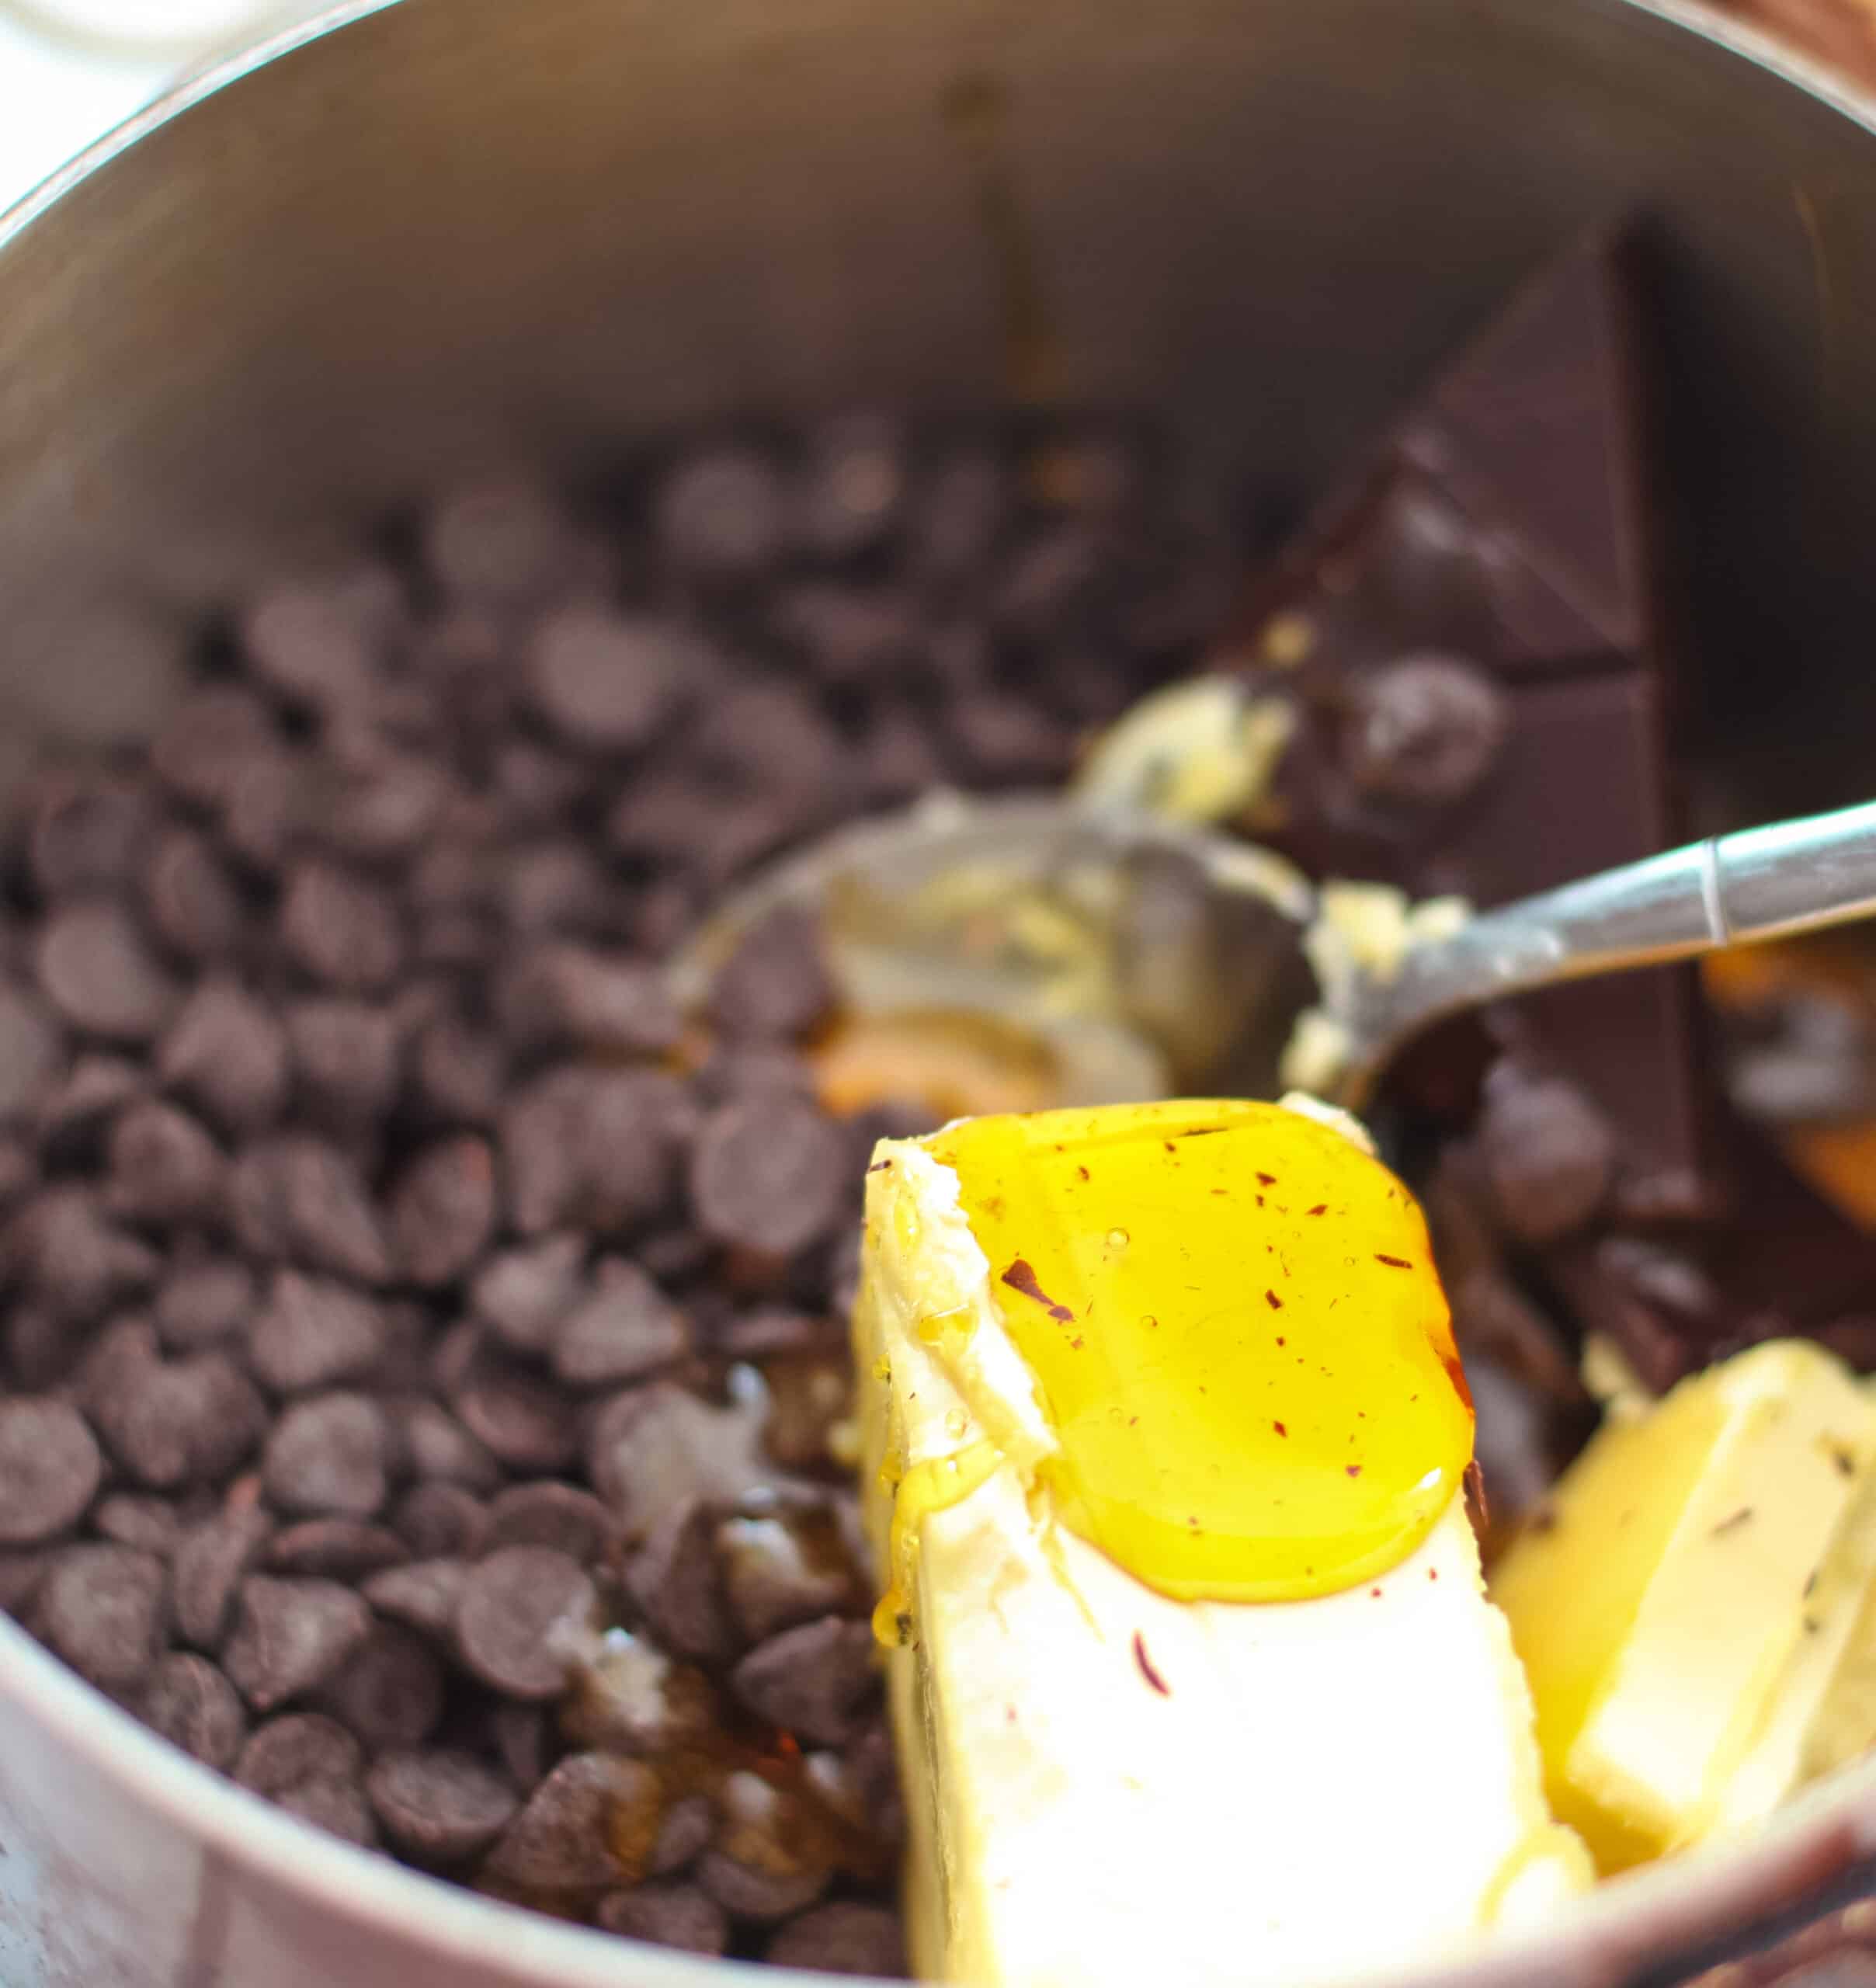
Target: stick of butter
{"points": [[1686, 1597], [1192, 1670]]}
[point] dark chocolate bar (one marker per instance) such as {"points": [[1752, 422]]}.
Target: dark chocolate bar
{"points": [[1471, 628]]}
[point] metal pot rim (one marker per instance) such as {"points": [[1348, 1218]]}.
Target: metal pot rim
{"points": [[1623, 1925]]}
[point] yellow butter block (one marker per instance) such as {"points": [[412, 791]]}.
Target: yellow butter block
{"points": [[1677, 1608], [1164, 1437]]}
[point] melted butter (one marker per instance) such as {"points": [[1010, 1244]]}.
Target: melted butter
{"points": [[934, 1485], [1237, 1334]]}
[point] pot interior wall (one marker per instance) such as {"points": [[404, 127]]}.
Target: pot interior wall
{"points": [[460, 229]]}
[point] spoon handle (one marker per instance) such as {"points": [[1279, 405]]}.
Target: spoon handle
{"points": [[1729, 890]]}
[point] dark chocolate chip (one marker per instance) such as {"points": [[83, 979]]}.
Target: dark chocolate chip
{"points": [[227, 1055], [522, 1293], [203, 1302], [958, 514], [720, 515], [313, 1767], [176, 1423], [328, 1455], [307, 643], [844, 1937], [440, 1807], [74, 1115], [31, 1049], [87, 834], [767, 1330], [297, 1197], [624, 1329], [548, 1513], [900, 758], [848, 634], [1053, 586], [21, 1575], [776, 983], [434, 1444], [193, 1706], [345, 1059], [685, 1829], [527, 1421], [755, 1070], [1492, 1315], [211, 740], [460, 1072], [554, 885], [101, 1608], [767, 736], [264, 817], [390, 1691], [762, 1896], [97, 970], [339, 929], [19, 1171], [70, 1259], [139, 1519], [335, 1549], [539, 785], [563, 996], [674, 1255], [212, 1559], [605, 682], [195, 905], [313, 1332], [1548, 1152], [597, 1148], [442, 1209], [814, 1681], [668, 1915], [673, 1578], [514, 1602], [1426, 730], [164, 1166], [50, 1469], [423, 1595], [525, 1741], [499, 543], [564, 1840], [670, 819], [291, 1636], [439, 1520], [770, 1175], [40, 1346], [1667, 1279], [1003, 741]]}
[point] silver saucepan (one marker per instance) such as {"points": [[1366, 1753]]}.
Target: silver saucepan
{"points": [[405, 239]]}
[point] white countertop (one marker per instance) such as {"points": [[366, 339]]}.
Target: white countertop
{"points": [[60, 90]]}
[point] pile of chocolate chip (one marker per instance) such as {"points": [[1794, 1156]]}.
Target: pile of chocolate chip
{"points": [[423, 1346]]}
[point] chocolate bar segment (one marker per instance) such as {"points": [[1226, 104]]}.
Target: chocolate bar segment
{"points": [[1502, 526], [1482, 600]]}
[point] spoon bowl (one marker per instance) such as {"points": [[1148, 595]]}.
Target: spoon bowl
{"points": [[1142, 957]]}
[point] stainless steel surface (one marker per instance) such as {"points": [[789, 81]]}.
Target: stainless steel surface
{"points": [[1754, 885], [450, 230], [1141, 957]]}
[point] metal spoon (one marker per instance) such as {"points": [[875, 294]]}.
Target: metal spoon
{"points": [[1148, 955]]}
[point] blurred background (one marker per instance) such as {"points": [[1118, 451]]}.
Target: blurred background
{"points": [[70, 69]]}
